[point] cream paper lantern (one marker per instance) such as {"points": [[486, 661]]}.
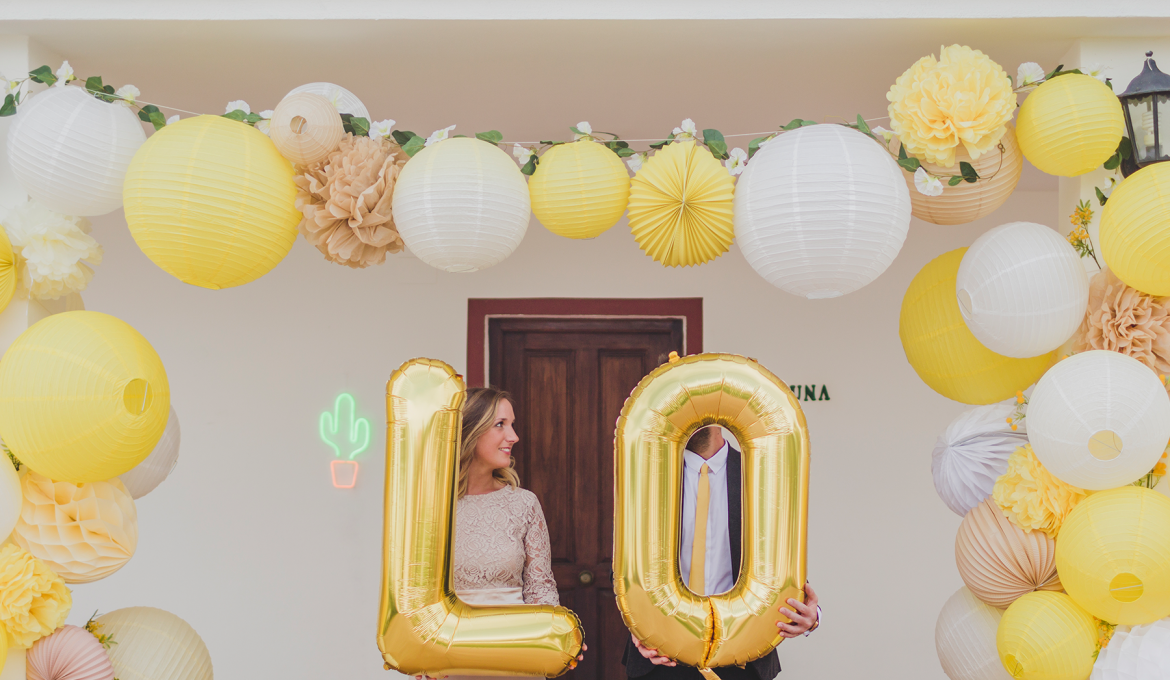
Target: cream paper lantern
{"points": [[972, 453], [1099, 420], [964, 637], [821, 211], [1022, 289], [305, 128], [1135, 653], [158, 465], [155, 645], [461, 205], [11, 496], [70, 150], [342, 99]]}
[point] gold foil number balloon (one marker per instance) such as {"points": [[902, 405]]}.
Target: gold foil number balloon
{"points": [[423, 627], [661, 414]]}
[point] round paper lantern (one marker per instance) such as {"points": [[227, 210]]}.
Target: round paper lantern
{"points": [[13, 668], [1113, 555], [999, 561], [1136, 653], [1135, 230], [973, 453], [305, 128], [341, 98], [11, 497], [1046, 636], [23, 312], [1099, 419], [964, 637], [579, 190], [681, 205], [70, 150], [83, 397], [1070, 125], [821, 211], [84, 532], [1022, 289], [212, 202], [71, 653], [8, 270], [155, 645], [461, 205], [941, 348], [158, 465]]}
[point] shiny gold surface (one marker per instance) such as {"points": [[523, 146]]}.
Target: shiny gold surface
{"points": [[423, 626], [672, 402]]}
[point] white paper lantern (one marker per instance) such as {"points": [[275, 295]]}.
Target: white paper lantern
{"points": [[10, 496], [1136, 653], [821, 211], [1099, 420], [964, 637], [1022, 289], [70, 151], [461, 205], [154, 644], [343, 99], [148, 474], [973, 453]]}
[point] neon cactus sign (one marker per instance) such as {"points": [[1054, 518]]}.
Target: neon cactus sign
{"points": [[348, 436]]}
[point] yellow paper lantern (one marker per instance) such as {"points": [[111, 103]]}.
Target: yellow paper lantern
{"points": [[1113, 555], [1046, 636], [8, 270], [1070, 125], [681, 206], [579, 190], [943, 351], [83, 397], [211, 201], [1135, 230]]}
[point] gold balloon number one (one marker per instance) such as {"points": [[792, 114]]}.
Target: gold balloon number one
{"points": [[669, 405], [423, 627]]}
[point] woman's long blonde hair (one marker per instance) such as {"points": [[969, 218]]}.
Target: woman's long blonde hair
{"points": [[479, 414]]}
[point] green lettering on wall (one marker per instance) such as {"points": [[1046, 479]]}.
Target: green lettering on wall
{"points": [[824, 393]]}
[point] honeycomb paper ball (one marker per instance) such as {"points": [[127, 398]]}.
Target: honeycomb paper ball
{"points": [[1135, 230], [1070, 125], [579, 190], [155, 645], [1046, 636], [964, 637], [999, 561], [71, 653], [83, 397]]}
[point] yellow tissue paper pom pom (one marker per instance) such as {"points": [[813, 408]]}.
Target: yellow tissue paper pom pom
{"points": [[963, 97], [34, 601], [1031, 497]]}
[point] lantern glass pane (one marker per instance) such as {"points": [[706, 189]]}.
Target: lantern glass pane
{"points": [[1163, 123], [1141, 118]]}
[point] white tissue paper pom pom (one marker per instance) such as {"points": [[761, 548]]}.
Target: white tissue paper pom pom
{"points": [[51, 250]]}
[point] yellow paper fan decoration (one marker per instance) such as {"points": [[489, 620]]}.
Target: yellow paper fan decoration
{"points": [[681, 206], [580, 189], [7, 270]]}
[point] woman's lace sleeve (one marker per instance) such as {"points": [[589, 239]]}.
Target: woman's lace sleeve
{"points": [[539, 585]]}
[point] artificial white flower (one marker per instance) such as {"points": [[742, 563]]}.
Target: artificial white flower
{"points": [[635, 162], [926, 184], [64, 74], [439, 135], [1029, 74], [1097, 71], [382, 128], [265, 123], [585, 128], [129, 95], [685, 131], [50, 250], [522, 153], [238, 105], [173, 119], [885, 134], [737, 162], [9, 86]]}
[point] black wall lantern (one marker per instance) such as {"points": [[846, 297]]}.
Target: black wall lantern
{"points": [[1146, 103]]}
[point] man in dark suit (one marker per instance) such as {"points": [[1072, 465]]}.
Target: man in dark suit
{"points": [[712, 471]]}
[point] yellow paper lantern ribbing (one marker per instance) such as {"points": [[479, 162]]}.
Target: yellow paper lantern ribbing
{"points": [[8, 270], [579, 190], [1070, 125], [943, 351], [83, 397], [1135, 230], [1046, 636], [211, 201], [1113, 555], [681, 206]]}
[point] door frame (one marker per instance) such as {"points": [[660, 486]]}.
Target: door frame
{"points": [[481, 310]]}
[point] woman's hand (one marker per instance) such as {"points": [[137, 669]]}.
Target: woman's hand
{"points": [[581, 657], [652, 654], [803, 618]]}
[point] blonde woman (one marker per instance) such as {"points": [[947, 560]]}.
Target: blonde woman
{"points": [[502, 552]]}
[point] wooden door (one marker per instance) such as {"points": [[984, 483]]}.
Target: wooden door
{"points": [[570, 378]]}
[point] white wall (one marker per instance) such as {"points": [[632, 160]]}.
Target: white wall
{"points": [[279, 571]]}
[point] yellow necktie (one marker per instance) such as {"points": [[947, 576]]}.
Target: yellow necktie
{"points": [[697, 581]]}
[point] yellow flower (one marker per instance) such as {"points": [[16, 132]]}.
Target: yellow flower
{"points": [[33, 600], [1031, 497], [963, 97]]}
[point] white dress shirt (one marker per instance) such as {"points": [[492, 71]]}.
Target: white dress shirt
{"points": [[717, 568]]}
